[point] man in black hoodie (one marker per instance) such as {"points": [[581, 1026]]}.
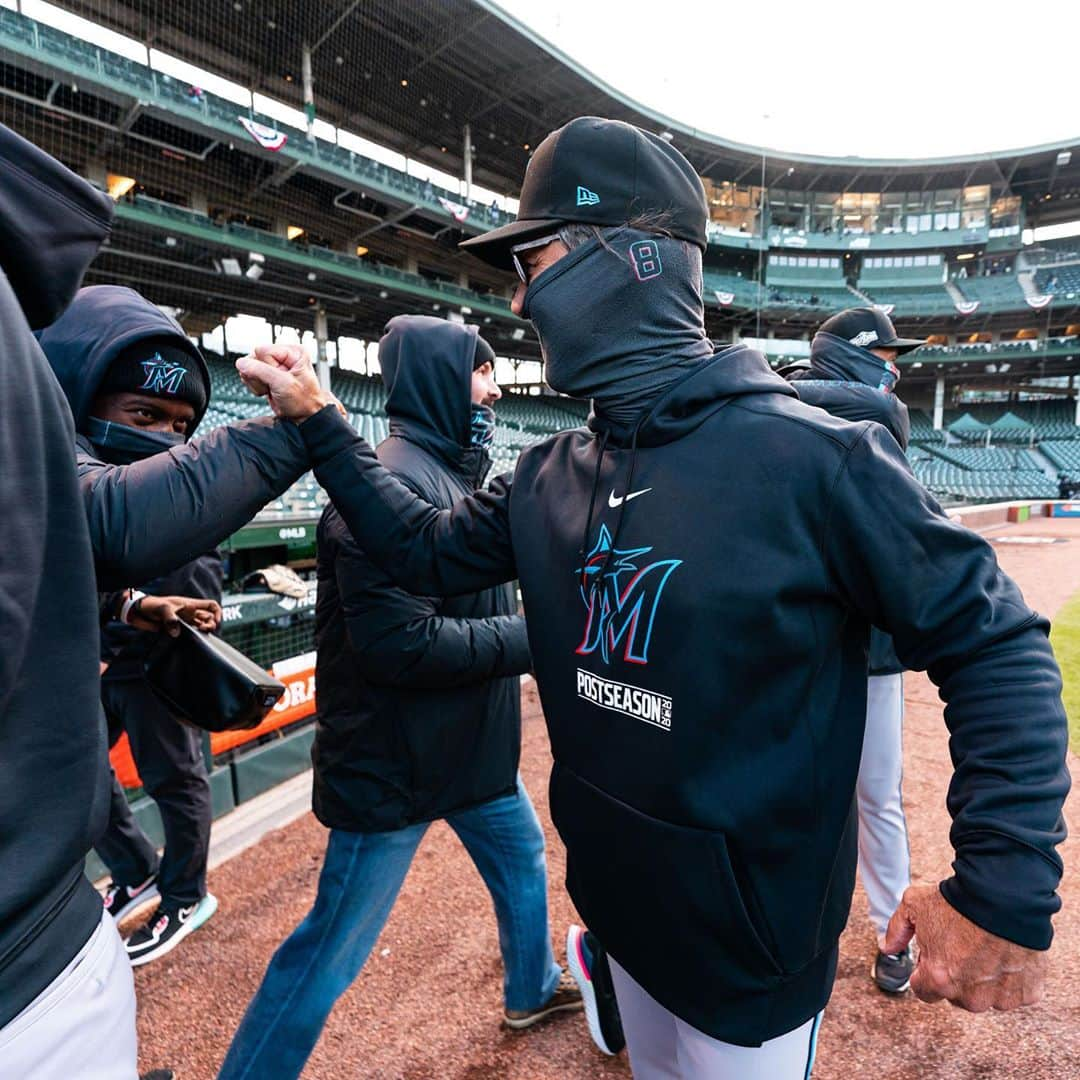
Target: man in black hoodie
{"points": [[852, 374], [419, 719], [700, 570], [60, 524], [132, 402]]}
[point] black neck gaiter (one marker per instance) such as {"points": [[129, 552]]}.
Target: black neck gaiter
{"points": [[621, 321]]}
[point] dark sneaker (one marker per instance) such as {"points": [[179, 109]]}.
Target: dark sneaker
{"points": [[122, 900], [587, 960], [167, 929], [892, 971], [567, 998]]}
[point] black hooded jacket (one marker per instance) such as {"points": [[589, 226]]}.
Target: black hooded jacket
{"points": [[842, 379], [53, 802], [61, 520], [699, 603], [148, 518], [81, 345], [418, 698]]}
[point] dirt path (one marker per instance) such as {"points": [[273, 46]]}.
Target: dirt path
{"points": [[428, 1002]]}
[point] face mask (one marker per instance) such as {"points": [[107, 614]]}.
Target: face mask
{"points": [[839, 359], [482, 426], [120, 444], [620, 322]]}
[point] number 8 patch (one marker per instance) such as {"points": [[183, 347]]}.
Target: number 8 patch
{"points": [[645, 259]]}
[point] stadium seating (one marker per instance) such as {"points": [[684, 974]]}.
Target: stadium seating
{"points": [[1062, 281], [993, 290]]}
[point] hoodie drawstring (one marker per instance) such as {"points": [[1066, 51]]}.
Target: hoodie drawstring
{"points": [[622, 506], [583, 553]]}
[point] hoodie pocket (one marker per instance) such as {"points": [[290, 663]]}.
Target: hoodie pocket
{"points": [[663, 898]]}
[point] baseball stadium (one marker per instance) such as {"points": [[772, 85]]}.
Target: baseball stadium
{"points": [[293, 172]]}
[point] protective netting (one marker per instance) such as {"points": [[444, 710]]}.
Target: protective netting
{"points": [[237, 197]]}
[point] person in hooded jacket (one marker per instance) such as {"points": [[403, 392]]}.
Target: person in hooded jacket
{"points": [[700, 569], [133, 402], [419, 718], [853, 374], [67, 1004]]}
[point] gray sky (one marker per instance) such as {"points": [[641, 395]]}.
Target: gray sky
{"points": [[917, 78]]}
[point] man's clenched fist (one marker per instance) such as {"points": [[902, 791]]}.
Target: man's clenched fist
{"points": [[285, 376]]}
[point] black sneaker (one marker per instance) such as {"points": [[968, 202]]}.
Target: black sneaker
{"points": [[892, 971], [167, 929], [587, 960], [122, 900]]}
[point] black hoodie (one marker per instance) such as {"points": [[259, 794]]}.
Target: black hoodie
{"points": [[150, 517], [143, 520], [854, 384], [52, 739], [418, 701], [699, 636]]}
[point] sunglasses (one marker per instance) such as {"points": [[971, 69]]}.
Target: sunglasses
{"points": [[529, 245]]}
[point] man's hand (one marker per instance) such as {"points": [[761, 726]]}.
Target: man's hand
{"points": [[284, 374], [165, 613], [959, 961]]}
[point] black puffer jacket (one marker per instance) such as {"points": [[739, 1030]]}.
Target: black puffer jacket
{"points": [[418, 700], [844, 380]]}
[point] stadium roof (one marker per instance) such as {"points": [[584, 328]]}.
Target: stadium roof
{"points": [[411, 75]]}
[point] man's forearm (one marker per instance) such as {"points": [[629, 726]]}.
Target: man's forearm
{"points": [[1009, 736], [425, 550], [150, 517]]}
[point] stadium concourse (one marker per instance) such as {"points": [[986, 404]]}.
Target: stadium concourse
{"points": [[427, 1004]]}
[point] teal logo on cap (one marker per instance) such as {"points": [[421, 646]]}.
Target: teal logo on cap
{"points": [[585, 197], [162, 377]]}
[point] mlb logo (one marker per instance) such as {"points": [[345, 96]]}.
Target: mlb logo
{"points": [[585, 197]]}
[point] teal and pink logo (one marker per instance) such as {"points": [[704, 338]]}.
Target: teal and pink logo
{"points": [[621, 602]]}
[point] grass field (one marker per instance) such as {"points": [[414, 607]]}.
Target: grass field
{"points": [[1066, 640]]}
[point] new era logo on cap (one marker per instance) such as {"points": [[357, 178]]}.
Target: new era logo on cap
{"points": [[864, 338], [585, 197]]}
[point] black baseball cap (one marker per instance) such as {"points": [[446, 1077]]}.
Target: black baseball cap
{"points": [[600, 172], [868, 328]]}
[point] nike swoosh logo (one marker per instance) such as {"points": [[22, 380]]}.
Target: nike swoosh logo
{"points": [[616, 501]]}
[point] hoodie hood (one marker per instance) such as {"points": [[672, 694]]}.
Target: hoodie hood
{"points": [[851, 383], [102, 321], [427, 366], [732, 372], [52, 223], [833, 357]]}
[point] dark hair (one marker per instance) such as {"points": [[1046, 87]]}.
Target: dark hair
{"points": [[574, 235]]}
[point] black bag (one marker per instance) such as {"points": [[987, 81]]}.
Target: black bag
{"points": [[207, 682]]}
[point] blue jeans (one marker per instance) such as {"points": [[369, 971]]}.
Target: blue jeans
{"points": [[361, 877]]}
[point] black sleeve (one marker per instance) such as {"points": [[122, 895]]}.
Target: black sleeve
{"points": [[936, 587], [430, 551], [401, 640], [150, 517]]}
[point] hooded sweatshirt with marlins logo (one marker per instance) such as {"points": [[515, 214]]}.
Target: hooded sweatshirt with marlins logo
{"points": [[700, 572]]}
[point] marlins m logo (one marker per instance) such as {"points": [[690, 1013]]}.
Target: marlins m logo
{"points": [[621, 605], [162, 377]]}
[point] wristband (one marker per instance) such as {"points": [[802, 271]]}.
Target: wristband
{"points": [[133, 598]]}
